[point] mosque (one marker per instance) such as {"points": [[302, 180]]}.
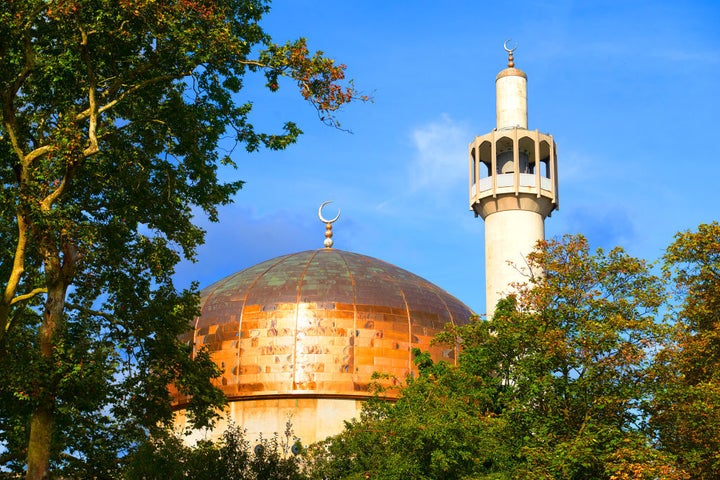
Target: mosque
{"points": [[299, 337]]}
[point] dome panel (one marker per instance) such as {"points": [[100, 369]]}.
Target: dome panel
{"points": [[278, 284], [326, 278]]}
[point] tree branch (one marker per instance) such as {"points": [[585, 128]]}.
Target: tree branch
{"points": [[85, 114], [48, 201], [92, 108], [15, 275], [11, 93], [29, 295], [90, 311]]}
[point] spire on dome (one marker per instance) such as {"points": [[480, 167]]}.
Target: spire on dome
{"points": [[328, 224]]}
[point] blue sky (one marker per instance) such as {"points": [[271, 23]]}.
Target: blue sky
{"points": [[628, 89]]}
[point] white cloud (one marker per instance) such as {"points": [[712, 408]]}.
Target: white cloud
{"points": [[441, 154], [436, 170]]}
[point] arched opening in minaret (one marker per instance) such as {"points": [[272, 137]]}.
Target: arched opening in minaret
{"points": [[544, 159], [483, 165], [473, 169], [526, 145], [505, 162]]}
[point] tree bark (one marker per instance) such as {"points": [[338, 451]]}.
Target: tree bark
{"points": [[42, 421]]}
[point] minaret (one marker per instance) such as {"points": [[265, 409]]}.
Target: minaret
{"points": [[513, 185]]}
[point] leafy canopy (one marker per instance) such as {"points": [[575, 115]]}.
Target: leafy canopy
{"points": [[232, 457], [686, 410], [552, 387], [112, 111]]}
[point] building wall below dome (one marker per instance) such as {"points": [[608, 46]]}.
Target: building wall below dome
{"points": [[312, 419]]}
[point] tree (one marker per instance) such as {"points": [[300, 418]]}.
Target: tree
{"points": [[578, 374], [233, 457], [442, 427], [111, 116], [686, 411], [552, 387]]}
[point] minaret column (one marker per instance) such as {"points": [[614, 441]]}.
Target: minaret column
{"points": [[509, 237], [513, 186]]}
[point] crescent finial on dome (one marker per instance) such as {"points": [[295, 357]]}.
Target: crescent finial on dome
{"points": [[328, 224]]}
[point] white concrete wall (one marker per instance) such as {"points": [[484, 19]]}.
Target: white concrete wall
{"points": [[510, 236], [313, 419], [511, 101]]}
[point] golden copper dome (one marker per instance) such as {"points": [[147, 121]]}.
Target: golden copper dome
{"points": [[319, 323]]}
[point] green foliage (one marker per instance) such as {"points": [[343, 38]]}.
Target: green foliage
{"points": [[686, 410], [112, 111], [586, 330], [433, 431], [552, 387], [230, 458]]}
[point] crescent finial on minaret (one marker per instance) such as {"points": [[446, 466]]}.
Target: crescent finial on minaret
{"points": [[511, 60], [328, 224]]}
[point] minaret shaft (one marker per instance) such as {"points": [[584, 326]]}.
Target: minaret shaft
{"points": [[509, 237], [511, 99]]}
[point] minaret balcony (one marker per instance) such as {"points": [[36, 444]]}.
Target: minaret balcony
{"points": [[506, 184], [513, 161]]}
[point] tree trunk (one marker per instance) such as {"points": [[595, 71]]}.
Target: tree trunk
{"points": [[42, 421]]}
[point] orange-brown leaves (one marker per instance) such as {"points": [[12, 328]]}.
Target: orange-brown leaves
{"points": [[63, 8], [320, 80]]}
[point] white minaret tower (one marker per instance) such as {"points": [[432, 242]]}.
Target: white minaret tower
{"points": [[513, 185]]}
